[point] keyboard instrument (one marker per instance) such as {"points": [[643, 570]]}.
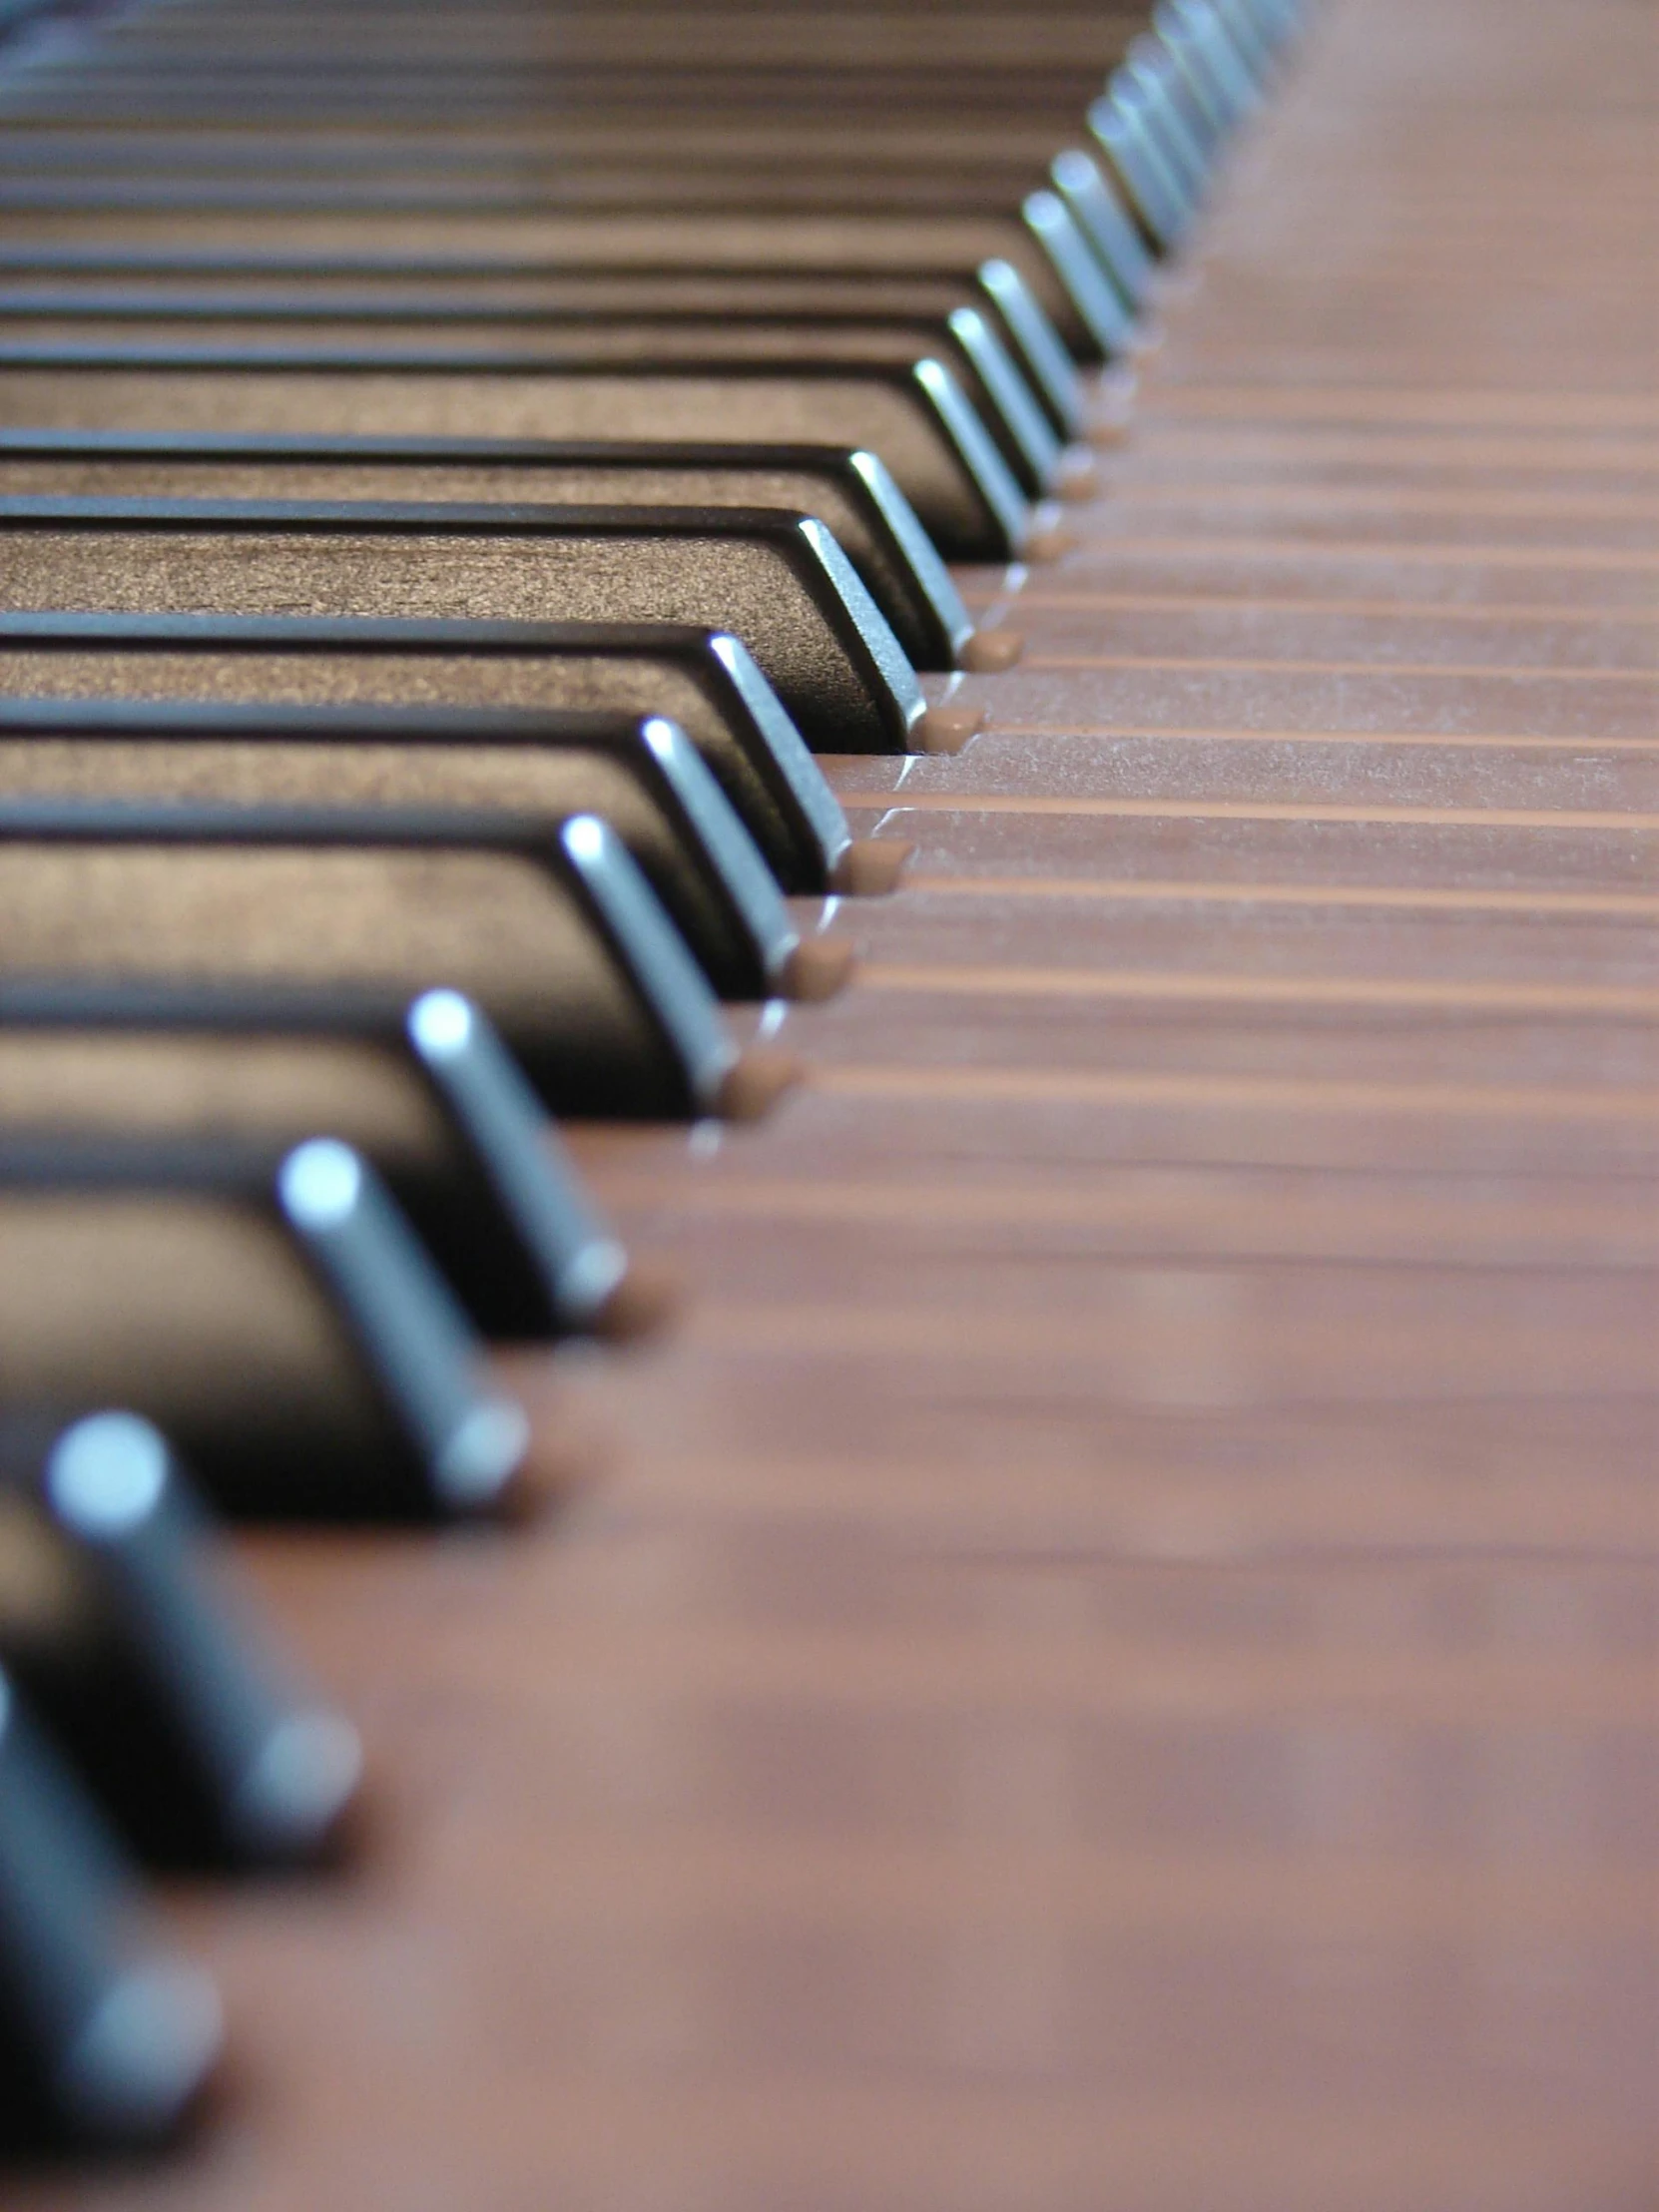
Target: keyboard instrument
{"points": [[829, 1104]]}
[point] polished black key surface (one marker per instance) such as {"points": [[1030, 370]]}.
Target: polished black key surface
{"points": [[423, 1088], [545, 920], [779, 581], [107, 2036], [159, 1681], [641, 775], [274, 1314], [705, 682]]}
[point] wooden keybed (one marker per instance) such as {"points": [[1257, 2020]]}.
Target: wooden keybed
{"points": [[1111, 1661]]}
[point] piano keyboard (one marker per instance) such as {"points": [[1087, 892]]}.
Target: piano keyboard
{"points": [[826, 1106]]}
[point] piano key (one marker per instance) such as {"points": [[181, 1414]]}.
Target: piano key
{"points": [[40, 141], [107, 2036], [43, 277], [155, 1674], [962, 342], [899, 172], [741, 41], [1214, 65], [704, 224], [1089, 192], [705, 681], [643, 58], [640, 776], [1200, 108], [547, 923], [423, 1088], [1147, 71], [1185, 92], [480, 96], [780, 581], [274, 1315], [641, 179], [914, 417], [1153, 193], [473, 87], [851, 493]]}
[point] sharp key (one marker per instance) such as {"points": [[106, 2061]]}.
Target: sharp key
{"points": [[908, 411], [641, 774], [157, 1677], [107, 2036], [275, 1317], [852, 493], [780, 581], [705, 682], [43, 281], [965, 340], [701, 222], [423, 1088], [547, 923]]}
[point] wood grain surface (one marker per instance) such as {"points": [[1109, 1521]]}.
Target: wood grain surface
{"points": [[1114, 1665]]}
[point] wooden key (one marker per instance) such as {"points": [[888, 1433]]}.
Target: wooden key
{"points": [[705, 681], [641, 176], [107, 2036], [851, 493], [964, 343], [423, 1088], [780, 581], [274, 1314], [709, 223], [545, 920], [911, 414], [642, 776], [45, 281], [155, 1675]]}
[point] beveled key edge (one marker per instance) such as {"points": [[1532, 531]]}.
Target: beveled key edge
{"points": [[588, 1283], [271, 1769], [654, 750], [464, 1441], [579, 851], [893, 707], [825, 851]]}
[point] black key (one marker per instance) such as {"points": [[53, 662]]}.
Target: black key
{"points": [[424, 1089], [43, 281], [704, 681], [642, 776], [852, 492], [157, 1678], [780, 581], [546, 923], [638, 178], [1152, 189], [1216, 68], [964, 343], [910, 412], [706, 222], [43, 144], [274, 1315], [107, 2038], [1148, 82]]}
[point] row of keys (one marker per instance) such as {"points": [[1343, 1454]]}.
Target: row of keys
{"points": [[449, 498]]}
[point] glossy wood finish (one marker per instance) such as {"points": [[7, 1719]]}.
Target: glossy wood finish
{"points": [[1115, 1661]]}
